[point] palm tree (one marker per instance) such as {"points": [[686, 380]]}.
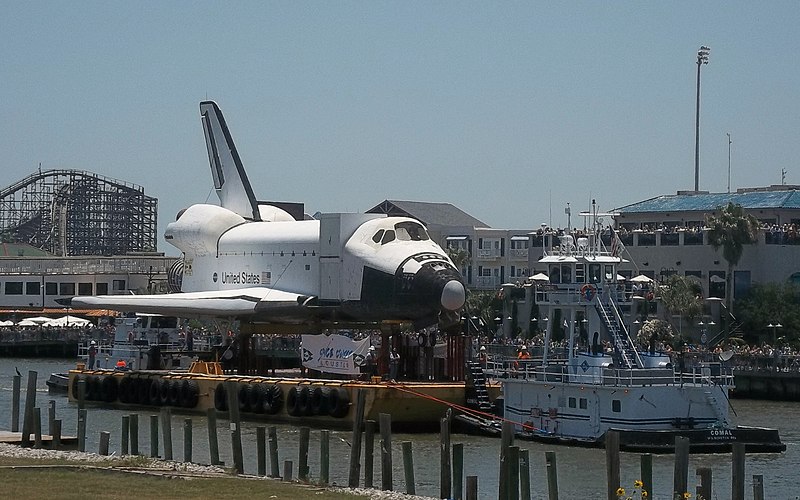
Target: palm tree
{"points": [[682, 295], [731, 230], [459, 256]]}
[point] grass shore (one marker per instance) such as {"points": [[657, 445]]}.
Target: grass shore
{"points": [[30, 478]]}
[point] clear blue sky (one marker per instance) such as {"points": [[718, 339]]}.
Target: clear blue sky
{"points": [[507, 110]]}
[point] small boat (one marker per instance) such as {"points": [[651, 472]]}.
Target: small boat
{"points": [[58, 383], [600, 381]]}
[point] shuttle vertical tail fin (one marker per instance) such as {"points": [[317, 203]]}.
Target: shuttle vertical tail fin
{"points": [[230, 179]]}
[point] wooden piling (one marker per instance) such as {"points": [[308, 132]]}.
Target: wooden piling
{"points": [[16, 387], [506, 440], [355, 446], [231, 388], [213, 444], [273, 452], [134, 434], [369, 452], [758, 487], [458, 470], [166, 432], [37, 428], [187, 440], [30, 404], [302, 459], [646, 473], [125, 435], [472, 488], [261, 450], [83, 415], [524, 475], [51, 415], [105, 436], [56, 435], [513, 473], [385, 424], [408, 468], [680, 479], [552, 475], [737, 471], [287, 470], [612, 464], [704, 488], [81, 392], [445, 479], [154, 436], [324, 456]]}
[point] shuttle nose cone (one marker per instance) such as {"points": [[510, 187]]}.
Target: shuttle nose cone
{"points": [[453, 295]]}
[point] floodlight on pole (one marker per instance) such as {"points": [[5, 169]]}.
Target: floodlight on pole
{"points": [[702, 58]]}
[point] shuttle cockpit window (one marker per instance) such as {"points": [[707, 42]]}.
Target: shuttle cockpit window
{"points": [[387, 237], [377, 237], [411, 231]]}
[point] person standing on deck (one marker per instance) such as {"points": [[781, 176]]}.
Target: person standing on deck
{"points": [[92, 354], [394, 364]]}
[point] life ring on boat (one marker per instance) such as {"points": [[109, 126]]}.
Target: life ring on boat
{"points": [[304, 401], [244, 397], [109, 389], [319, 401], [174, 392], [273, 400], [256, 398], [190, 393], [221, 398], [338, 402], [588, 292], [291, 402]]}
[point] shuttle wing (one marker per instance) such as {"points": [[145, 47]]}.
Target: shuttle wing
{"points": [[242, 302]]}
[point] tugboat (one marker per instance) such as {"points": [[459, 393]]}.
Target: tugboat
{"points": [[600, 381]]}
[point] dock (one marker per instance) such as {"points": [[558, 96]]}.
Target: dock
{"points": [[15, 438]]}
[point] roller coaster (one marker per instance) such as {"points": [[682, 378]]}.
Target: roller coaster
{"points": [[74, 212]]}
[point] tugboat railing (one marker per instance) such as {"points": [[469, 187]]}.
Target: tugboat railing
{"points": [[704, 374]]}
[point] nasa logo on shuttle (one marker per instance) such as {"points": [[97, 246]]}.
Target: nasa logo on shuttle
{"points": [[241, 278], [214, 277]]}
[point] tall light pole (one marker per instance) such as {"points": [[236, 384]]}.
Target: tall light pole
{"points": [[729, 162], [702, 58]]}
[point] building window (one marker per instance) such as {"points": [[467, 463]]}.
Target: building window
{"points": [[33, 288], [84, 288], [584, 403], [13, 288], [66, 288], [102, 288], [51, 288], [118, 285], [572, 402], [616, 405]]}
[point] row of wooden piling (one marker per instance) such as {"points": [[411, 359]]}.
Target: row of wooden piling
{"points": [[514, 475]]}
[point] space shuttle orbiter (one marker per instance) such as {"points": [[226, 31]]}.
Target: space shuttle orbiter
{"points": [[255, 262]]}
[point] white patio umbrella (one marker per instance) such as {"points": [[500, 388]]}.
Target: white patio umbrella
{"points": [[540, 277], [68, 321], [27, 322], [642, 279], [6, 323], [39, 319]]}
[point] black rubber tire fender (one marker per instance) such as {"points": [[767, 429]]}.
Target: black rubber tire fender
{"points": [[189, 393], [221, 398], [304, 401], [124, 389], [338, 402], [273, 400], [74, 386], [291, 402], [256, 397], [93, 388], [109, 389], [143, 387], [243, 395], [319, 400], [155, 391], [175, 393], [163, 393]]}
